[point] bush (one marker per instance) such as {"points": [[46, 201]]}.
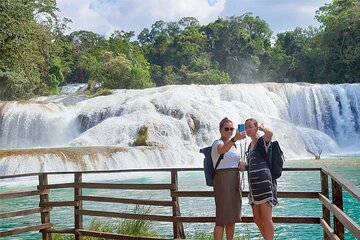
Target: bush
{"points": [[142, 137], [102, 92], [14, 85]]}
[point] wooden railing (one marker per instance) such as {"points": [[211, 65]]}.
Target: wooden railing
{"points": [[330, 208]]}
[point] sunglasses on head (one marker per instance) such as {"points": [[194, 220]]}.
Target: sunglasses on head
{"points": [[227, 129]]}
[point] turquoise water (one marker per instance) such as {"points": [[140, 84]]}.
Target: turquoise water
{"points": [[348, 167]]}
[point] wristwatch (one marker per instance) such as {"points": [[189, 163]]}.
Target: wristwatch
{"points": [[233, 140]]}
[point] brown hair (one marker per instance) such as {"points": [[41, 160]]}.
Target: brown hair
{"points": [[252, 120], [223, 121]]}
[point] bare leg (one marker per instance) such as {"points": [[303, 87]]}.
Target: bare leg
{"points": [[263, 219], [268, 225], [229, 230], [257, 218], [218, 232]]}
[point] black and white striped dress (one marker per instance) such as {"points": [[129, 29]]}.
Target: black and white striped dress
{"points": [[262, 188]]}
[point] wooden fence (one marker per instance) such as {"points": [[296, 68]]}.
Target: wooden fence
{"points": [[331, 209]]}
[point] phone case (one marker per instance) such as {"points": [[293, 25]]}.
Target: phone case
{"points": [[241, 127]]}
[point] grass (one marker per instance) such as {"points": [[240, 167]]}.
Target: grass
{"points": [[207, 236], [137, 228], [132, 227]]}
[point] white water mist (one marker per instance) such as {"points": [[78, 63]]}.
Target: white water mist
{"points": [[180, 119]]}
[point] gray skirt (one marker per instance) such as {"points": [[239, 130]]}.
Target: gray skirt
{"points": [[227, 196]]}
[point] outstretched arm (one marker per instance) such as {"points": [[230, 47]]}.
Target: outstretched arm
{"points": [[223, 148]]}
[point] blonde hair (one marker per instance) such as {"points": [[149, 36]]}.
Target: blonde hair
{"points": [[253, 120]]}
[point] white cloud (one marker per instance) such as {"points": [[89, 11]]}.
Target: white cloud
{"points": [[281, 15], [84, 17], [105, 16]]}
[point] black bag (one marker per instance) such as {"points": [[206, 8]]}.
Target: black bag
{"points": [[209, 169], [275, 158]]}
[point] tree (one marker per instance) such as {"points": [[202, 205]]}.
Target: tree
{"points": [[291, 58], [119, 72], [26, 44], [238, 45], [340, 41]]}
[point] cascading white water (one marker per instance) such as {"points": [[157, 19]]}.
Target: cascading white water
{"points": [[36, 124], [332, 109], [180, 120]]}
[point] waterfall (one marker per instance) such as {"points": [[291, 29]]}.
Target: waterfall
{"points": [[75, 133], [332, 109]]}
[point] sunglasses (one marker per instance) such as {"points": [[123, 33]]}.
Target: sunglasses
{"points": [[227, 129]]}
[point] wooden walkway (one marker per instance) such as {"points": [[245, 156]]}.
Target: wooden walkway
{"points": [[331, 209]]}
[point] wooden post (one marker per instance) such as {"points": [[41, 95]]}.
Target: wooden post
{"points": [[178, 228], [337, 199], [45, 215], [325, 191], [78, 217]]}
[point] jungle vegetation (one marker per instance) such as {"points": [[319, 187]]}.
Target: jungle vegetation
{"points": [[37, 57]]}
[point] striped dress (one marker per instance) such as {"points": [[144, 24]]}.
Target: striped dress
{"points": [[262, 188]]}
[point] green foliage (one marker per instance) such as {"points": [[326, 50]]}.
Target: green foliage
{"points": [[15, 85], [237, 44], [57, 236], [93, 90], [339, 42], [206, 236], [102, 92], [170, 77], [142, 137], [289, 55], [140, 77], [36, 57], [54, 77], [91, 86], [116, 71], [132, 227], [26, 42], [137, 227], [86, 40], [207, 76]]}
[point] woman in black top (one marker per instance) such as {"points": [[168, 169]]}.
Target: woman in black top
{"points": [[262, 188]]}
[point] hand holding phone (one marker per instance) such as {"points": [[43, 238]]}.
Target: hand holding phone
{"points": [[241, 127]]}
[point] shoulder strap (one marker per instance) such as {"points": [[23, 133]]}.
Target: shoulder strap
{"points": [[221, 157], [218, 161], [267, 153]]}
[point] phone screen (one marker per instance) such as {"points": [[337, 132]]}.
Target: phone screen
{"points": [[241, 127]]}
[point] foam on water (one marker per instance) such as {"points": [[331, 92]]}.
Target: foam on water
{"points": [[180, 119]]}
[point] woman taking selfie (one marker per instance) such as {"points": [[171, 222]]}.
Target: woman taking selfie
{"points": [[227, 180], [262, 188]]}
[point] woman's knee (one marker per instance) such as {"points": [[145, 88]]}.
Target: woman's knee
{"points": [[268, 221], [258, 220]]}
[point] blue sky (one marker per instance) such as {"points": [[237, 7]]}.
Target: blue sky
{"points": [[105, 16]]}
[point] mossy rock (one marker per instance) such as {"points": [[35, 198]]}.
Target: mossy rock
{"points": [[142, 137]]}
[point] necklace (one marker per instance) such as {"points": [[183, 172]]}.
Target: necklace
{"points": [[253, 143]]}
